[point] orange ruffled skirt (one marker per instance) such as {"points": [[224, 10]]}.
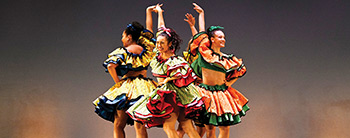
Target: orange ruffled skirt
{"points": [[226, 106]]}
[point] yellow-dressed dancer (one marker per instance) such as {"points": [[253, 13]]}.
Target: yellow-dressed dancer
{"points": [[131, 63]]}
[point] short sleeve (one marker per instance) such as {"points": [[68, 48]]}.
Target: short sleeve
{"points": [[116, 57], [237, 72], [173, 67], [230, 64], [181, 69]]}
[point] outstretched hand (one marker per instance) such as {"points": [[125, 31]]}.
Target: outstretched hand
{"points": [[190, 19], [197, 8]]}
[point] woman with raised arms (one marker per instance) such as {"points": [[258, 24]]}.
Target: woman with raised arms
{"points": [[218, 72], [176, 98]]}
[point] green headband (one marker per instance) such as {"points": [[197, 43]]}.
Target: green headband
{"points": [[212, 28]]}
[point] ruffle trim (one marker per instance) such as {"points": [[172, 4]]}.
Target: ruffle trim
{"points": [[106, 108], [238, 73], [186, 79], [133, 87], [107, 104], [222, 87], [226, 119], [129, 61], [189, 57], [195, 42], [161, 60], [161, 66], [160, 109], [146, 40], [201, 44], [223, 99], [174, 67], [137, 77]]}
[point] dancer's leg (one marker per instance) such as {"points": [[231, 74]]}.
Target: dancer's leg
{"points": [[169, 126], [140, 129], [180, 131], [200, 130], [210, 129], [120, 119], [189, 129], [224, 131], [187, 125]]}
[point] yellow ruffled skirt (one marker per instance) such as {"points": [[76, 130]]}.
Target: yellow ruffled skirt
{"points": [[123, 95]]}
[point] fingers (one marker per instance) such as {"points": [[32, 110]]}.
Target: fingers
{"points": [[189, 22], [189, 19], [188, 15], [158, 8], [185, 20], [159, 5], [197, 8], [151, 7]]}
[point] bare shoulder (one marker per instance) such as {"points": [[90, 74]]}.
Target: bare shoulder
{"points": [[136, 49]]}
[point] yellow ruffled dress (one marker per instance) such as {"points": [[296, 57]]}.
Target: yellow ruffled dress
{"points": [[129, 89]]}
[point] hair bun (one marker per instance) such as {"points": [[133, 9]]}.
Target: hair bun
{"points": [[134, 29]]}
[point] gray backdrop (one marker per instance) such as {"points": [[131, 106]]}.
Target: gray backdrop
{"points": [[296, 52]]}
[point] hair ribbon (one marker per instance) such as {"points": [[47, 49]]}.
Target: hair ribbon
{"points": [[212, 28], [166, 30], [130, 25]]}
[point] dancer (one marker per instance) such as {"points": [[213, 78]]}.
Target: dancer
{"points": [[176, 98], [218, 72], [130, 62], [191, 21]]}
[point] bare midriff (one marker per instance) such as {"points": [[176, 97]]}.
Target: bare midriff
{"points": [[136, 73], [212, 77]]}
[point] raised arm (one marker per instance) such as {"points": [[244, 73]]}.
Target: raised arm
{"points": [[149, 21], [201, 21], [191, 22], [160, 11]]}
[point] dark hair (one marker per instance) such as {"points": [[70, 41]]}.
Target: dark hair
{"points": [[211, 31], [134, 29], [174, 38]]}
